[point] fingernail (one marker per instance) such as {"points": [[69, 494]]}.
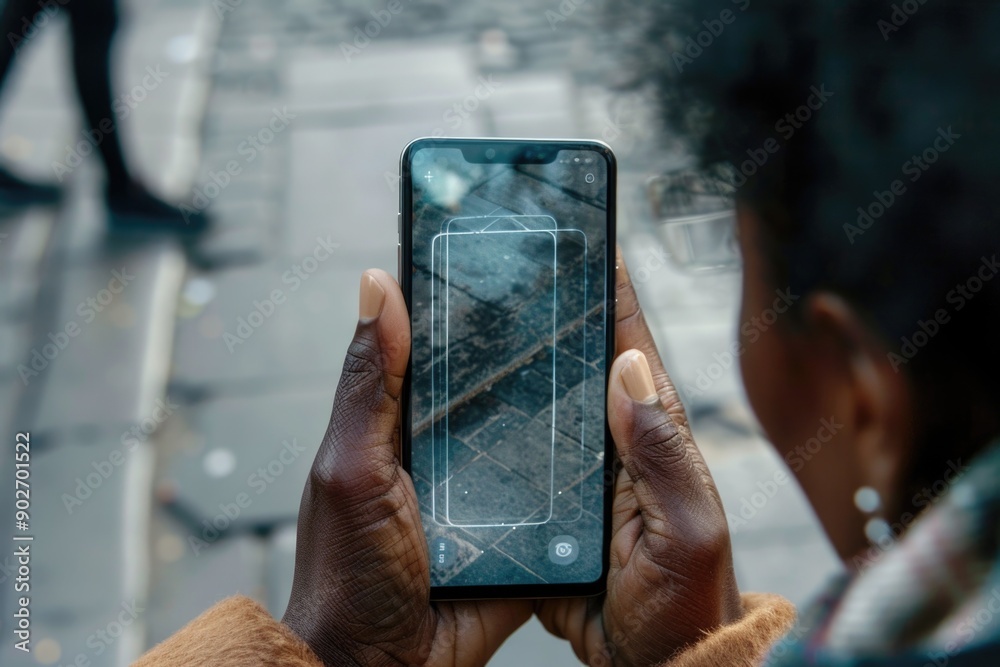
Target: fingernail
{"points": [[637, 378], [372, 298]]}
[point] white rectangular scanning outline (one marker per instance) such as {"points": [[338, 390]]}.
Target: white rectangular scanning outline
{"points": [[447, 399], [583, 386], [435, 243], [583, 356], [582, 439]]}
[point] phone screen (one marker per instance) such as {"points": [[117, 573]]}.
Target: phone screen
{"points": [[508, 271]]}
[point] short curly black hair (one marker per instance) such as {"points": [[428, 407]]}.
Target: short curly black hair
{"points": [[866, 136]]}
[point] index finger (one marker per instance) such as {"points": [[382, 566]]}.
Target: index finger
{"points": [[632, 333]]}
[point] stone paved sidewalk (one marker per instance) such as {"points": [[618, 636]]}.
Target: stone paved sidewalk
{"points": [[86, 322]]}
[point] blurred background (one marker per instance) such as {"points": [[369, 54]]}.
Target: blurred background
{"points": [[186, 384]]}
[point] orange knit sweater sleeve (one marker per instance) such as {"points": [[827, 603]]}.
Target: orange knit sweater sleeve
{"points": [[746, 643], [238, 632]]}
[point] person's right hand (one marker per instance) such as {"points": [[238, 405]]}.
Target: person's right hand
{"points": [[361, 593], [671, 576]]}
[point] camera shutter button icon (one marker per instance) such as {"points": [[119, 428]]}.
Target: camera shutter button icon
{"points": [[564, 550]]}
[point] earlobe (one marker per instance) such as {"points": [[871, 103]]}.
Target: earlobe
{"points": [[876, 397]]}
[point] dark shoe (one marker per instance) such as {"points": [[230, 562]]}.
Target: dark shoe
{"points": [[136, 209], [15, 191]]}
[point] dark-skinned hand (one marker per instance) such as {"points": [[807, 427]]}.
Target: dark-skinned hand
{"points": [[361, 593], [671, 576]]}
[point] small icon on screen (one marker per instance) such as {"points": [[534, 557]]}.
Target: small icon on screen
{"points": [[564, 550], [443, 552]]}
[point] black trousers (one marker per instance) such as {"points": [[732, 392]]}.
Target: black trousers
{"points": [[92, 27]]}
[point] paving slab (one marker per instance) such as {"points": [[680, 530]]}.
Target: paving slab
{"points": [[253, 452], [40, 110], [344, 182], [10, 391], [760, 493], [280, 570], [25, 235], [535, 126], [235, 241], [246, 216], [89, 518], [112, 327], [17, 294], [306, 335], [96, 638], [187, 585], [533, 105], [237, 103], [589, 420], [787, 565], [694, 320], [384, 74], [13, 346], [40, 72], [161, 52], [185, 33]]}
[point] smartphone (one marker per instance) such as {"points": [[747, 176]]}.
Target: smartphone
{"points": [[507, 264]]}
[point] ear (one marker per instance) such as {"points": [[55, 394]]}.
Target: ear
{"points": [[875, 398]]}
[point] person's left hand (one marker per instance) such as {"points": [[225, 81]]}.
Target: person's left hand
{"points": [[361, 593]]}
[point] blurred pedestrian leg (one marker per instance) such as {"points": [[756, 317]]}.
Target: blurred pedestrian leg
{"points": [[93, 24]]}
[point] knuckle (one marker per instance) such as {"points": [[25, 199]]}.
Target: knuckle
{"points": [[710, 544], [669, 466], [658, 442], [355, 484], [363, 359]]}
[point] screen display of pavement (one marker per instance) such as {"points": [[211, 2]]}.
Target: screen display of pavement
{"points": [[509, 313]]}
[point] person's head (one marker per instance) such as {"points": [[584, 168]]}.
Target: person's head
{"points": [[868, 137]]}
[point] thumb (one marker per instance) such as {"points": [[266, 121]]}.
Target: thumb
{"points": [[670, 528], [361, 559], [671, 482], [359, 455]]}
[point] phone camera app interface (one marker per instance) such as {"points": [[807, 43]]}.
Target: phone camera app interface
{"points": [[509, 318]]}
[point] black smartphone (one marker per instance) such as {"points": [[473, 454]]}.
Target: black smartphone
{"points": [[507, 262]]}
